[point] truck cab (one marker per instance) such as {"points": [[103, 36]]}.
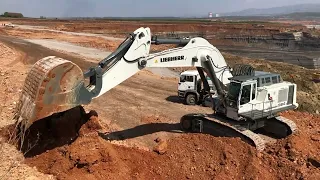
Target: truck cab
{"points": [[190, 87]]}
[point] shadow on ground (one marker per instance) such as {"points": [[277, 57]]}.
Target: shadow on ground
{"points": [[209, 127], [54, 131], [142, 130], [175, 99]]}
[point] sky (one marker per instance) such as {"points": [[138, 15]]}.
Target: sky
{"points": [[135, 8]]}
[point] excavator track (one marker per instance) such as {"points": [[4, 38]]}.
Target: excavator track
{"points": [[279, 127], [218, 127], [288, 122], [259, 143]]}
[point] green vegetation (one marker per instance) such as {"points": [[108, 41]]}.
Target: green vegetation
{"points": [[12, 15]]}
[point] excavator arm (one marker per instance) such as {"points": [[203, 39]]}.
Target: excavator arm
{"points": [[55, 85]]}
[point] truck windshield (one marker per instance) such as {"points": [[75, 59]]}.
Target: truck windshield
{"points": [[182, 78], [234, 89], [186, 78]]}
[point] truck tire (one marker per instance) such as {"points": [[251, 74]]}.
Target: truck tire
{"points": [[191, 99]]}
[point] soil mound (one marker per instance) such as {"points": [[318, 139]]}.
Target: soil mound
{"points": [[53, 131], [79, 152], [188, 156]]}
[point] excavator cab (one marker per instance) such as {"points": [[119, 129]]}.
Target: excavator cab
{"points": [[242, 92], [260, 96]]}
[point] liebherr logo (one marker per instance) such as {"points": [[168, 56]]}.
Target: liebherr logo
{"points": [[169, 59]]}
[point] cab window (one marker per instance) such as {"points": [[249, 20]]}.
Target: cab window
{"points": [[186, 78], [182, 78], [274, 79], [254, 92], [268, 80], [245, 94], [189, 78]]}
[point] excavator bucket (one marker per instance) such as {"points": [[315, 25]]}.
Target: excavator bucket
{"points": [[50, 87]]}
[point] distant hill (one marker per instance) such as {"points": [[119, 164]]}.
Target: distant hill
{"points": [[301, 15], [276, 10]]}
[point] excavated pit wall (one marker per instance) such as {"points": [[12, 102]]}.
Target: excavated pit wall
{"points": [[297, 48], [301, 50]]}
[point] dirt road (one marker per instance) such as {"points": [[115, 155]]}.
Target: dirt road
{"points": [[71, 48]]}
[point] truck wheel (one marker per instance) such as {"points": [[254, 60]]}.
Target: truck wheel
{"points": [[191, 99]]}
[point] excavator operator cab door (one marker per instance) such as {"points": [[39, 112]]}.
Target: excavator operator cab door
{"points": [[240, 96], [247, 96]]}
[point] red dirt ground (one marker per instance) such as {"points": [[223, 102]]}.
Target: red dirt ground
{"points": [[189, 156]]}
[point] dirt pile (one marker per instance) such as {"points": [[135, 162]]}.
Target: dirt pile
{"points": [[307, 140], [72, 152], [92, 157], [89, 156], [55, 131], [189, 156], [300, 151]]}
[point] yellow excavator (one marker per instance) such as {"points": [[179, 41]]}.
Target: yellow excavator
{"points": [[246, 100]]}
